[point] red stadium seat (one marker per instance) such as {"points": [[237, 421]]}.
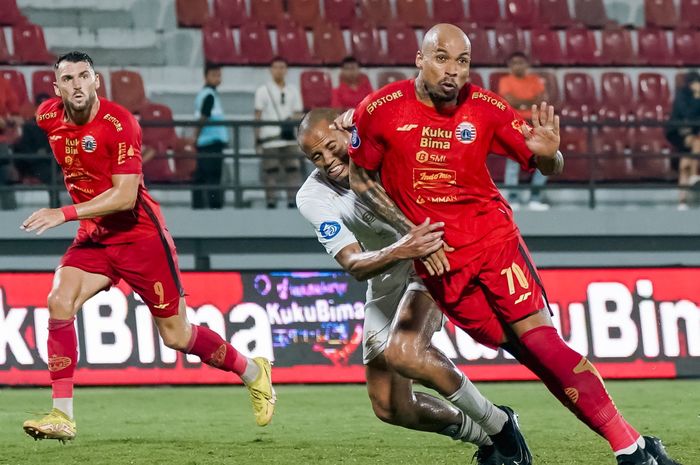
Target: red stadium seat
{"points": [[255, 44], [127, 90], [316, 89], [413, 12], [185, 159], [648, 143], [5, 55], [546, 47], [552, 87], [387, 77], [102, 90], [554, 13], [574, 144], [402, 44], [581, 48], [660, 13], [42, 83], [617, 47], [521, 13], [329, 45], [690, 13], [10, 13], [653, 47], [366, 46], [653, 89], [579, 88], [476, 79], [219, 48], [304, 12], [341, 12], [377, 12], [611, 162], [448, 11], [686, 46], [486, 13], [230, 12], [30, 46], [160, 138], [292, 44], [508, 40], [268, 12], [616, 89], [483, 52], [191, 13], [495, 78], [591, 13], [16, 80]]}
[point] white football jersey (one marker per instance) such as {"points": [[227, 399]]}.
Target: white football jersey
{"points": [[340, 219]]}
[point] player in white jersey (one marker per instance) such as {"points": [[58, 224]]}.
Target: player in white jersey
{"points": [[400, 315]]}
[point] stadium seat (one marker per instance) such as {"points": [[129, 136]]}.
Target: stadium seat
{"points": [[42, 83], [660, 13], [366, 46], [230, 12], [494, 79], [6, 57], [185, 159], [521, 13], [690, 13], [617, 47], [268, 12], [554, 13], [316, 89], [387, 77], [508, 40], [341, 12], [157, 169], [30, 46], [11, 14], [546, 47], [127, 90], [160, 138], [377, 12], [483, 52], [476, 79], [616, 89], [686, 46], [552, 86], [191, 13], [218, 44], [329, 45], [304, 12], [256, 47], [402, 44], [581, 48], [292, 44], [486, 13], [653, 89], [413, 12], [614, 112], [579, 88], [612, 163], [591, 13], [574, 143], [18, 84], [648, 143], [448, 11], [653, 47], [102, 90]]}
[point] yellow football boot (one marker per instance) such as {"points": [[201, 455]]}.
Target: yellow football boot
{"points": [[262, 394], [55, 425]]}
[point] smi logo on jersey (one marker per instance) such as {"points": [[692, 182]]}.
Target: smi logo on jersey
{"points": [[465, 132]]}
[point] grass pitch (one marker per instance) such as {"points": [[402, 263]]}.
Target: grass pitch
{"points": [[323, 425]]}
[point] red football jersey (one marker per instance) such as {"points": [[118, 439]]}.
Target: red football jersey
{"points": [[89, 155], [434, 165]]}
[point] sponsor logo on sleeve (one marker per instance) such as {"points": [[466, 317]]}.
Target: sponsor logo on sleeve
{"points": [[45, 116], [355, 139], [329, 229], [117, 124], [382, 100], [89, 144], [465, 132], [490, 99]]}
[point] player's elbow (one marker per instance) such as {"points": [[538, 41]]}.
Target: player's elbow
{"points": [[127, 202]]}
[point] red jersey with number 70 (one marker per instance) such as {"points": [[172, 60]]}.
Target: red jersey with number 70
{"points": [[434, 165], [89, 156]]}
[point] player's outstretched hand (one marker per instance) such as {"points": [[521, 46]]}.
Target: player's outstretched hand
{"points": [[43, 219], [420, 241], [437, 262], [344, 121], [543, 138]]}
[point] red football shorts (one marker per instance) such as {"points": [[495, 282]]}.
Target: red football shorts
{"points": [[149, 266], [500, 286]]}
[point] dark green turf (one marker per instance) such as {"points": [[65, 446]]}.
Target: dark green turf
{"points": [[323, 424]]}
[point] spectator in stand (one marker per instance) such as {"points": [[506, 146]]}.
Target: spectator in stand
{"points": [[210, 142], [9, 109], [277, 100], [353, 86], [686, 139], [522, 89]]}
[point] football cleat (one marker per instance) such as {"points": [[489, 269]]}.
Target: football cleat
{"points": [[511, 430], [487, 455], [54, 425], [638, 457], [656, 449], [262, 394]]}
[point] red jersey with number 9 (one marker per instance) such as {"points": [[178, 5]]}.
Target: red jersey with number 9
{"points": [[434, 165], [89, 155]]}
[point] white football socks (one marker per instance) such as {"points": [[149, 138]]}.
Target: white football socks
{"points": [[65, 405], [470, 401], [252, 371]]}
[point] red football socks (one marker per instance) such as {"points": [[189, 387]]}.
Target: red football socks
{"points": [[63, 355], [214, 351], [571, 377]]}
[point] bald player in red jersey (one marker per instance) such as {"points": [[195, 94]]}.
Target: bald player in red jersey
{"points": [[122, 235], [427, 140]]}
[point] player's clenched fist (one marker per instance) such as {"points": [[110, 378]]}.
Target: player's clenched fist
{"points": [[420, 241], [43, 219]]}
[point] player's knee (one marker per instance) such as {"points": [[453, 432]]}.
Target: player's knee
{"points": [[402, 355], [61, 306], [384, 411], [174, 339]]}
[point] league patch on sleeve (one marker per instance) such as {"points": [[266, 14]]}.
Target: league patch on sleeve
{"points": [[329, 229], [355, 139]]}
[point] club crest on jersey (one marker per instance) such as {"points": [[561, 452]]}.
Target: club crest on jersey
{"points": [[465, 132], [329, 229], [88, 143], [355, 139]]}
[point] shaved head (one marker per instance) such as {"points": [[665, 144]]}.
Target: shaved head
{"points": [[441, 34], [325, 146]]}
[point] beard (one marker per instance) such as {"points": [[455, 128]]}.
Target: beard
{"points": [[438, 95], [86, 104]]}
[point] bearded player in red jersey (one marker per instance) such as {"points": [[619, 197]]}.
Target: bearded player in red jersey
{"points": [[427, 140], [122, 235]]}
